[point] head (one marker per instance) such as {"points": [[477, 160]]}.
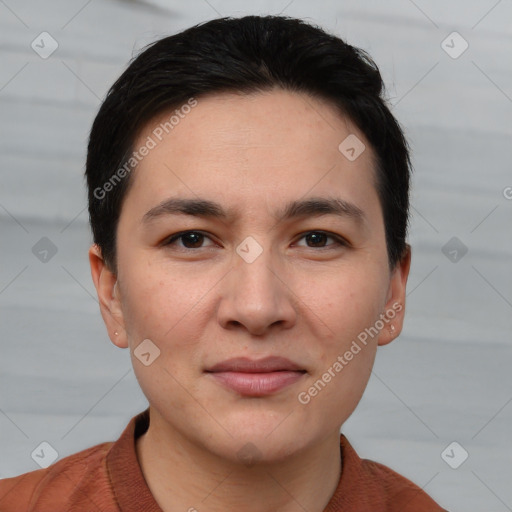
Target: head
{"points": [[290, 179]]}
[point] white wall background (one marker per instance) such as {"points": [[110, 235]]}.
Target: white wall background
{"points": [[448, 378]]}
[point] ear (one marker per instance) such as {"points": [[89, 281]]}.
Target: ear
{"points": [[393, 314], [108, 297]]}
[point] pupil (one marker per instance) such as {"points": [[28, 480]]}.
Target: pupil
{"points": [[192, 239], [316, 238]]}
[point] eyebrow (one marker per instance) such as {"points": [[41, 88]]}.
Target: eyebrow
{"points": [[313, 206]]}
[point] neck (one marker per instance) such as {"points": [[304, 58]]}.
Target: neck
{"points": [[192, 479]]}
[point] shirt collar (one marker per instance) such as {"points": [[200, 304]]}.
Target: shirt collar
{"points": [[129, 486], [133, 495]]}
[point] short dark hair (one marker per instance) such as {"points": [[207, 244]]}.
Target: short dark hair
{"points": [[244, 55]]}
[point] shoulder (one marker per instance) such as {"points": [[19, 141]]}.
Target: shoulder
{"points": [[83, 473], [379, 487], [398, 491]]}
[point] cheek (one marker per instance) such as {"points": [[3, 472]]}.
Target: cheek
{"points": [[344, 302], [164, 307], [159, 299], [167, 306], [344, 358]]}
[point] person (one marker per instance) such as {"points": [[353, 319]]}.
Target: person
{"points": [[248, 195]]}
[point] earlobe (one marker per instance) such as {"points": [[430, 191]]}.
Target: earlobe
{"points": [[107, 289], [395, 304]]}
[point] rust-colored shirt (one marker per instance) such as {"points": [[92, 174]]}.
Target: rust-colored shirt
{"points": [[108, 478]]}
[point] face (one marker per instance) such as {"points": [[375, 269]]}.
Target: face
{"points": [[289, 262]]}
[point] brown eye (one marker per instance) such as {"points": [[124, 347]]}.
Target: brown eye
{"points": [[189, 239], [319, 239]]}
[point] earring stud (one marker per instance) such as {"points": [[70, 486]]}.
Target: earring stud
{"points": [[116, 333]]}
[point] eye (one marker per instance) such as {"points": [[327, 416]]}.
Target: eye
{"points": [[189, 239], [195, 239], [318, 239]]}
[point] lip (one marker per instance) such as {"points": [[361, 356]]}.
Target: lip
{"points": [[256, 377], [247, 365]]}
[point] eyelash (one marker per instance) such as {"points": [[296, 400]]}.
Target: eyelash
{"points": [[339, 241]]}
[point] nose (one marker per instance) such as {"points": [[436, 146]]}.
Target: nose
{"points": [[257, 296]]}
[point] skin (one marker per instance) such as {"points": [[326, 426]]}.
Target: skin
{"points": [[200, 303]]}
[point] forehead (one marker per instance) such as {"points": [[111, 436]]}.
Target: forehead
{"points": [[253, 147]]}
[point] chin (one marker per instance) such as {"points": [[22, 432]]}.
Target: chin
{"points": [[254, 450], [265, 441]]}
